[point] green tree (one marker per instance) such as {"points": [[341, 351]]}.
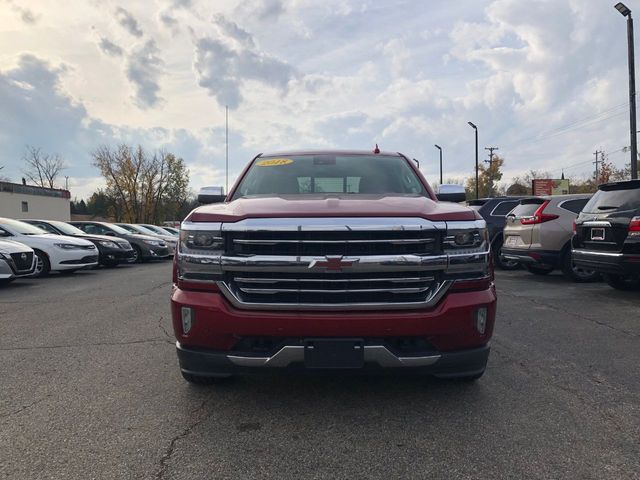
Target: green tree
{"points": [[488, 176]]}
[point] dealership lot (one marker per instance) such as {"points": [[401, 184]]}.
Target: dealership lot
{"points": [[91, 389]]}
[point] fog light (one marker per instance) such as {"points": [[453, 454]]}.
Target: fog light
{"points": [[187, 319], [481, 320]]}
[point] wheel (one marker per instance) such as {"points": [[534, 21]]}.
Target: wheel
{"points": [[577, 274], [43, 267], [622, 282], [137, 255], [202, 380], [503, 263], [537, 270]]}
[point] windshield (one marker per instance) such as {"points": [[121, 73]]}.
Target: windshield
{"points": [[21, 228], [66, 228], [145, 230], [157, 230], [330, 174], [119, 229], [127, 228], [604, 201]]}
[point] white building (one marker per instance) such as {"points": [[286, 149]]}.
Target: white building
{"points": [[28, 201]]}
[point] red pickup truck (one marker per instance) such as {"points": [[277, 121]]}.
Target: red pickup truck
{"points": [[332, 260]]}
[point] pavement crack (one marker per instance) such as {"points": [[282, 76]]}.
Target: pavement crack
{"points": [[24, 407], [164, 330], [92, 344], [168, 454]]}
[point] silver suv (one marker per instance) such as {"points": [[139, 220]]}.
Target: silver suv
{"points": [[538, 232]]}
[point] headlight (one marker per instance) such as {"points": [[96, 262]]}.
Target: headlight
{"points": [[108, 244], [155, 243], [201, 240], [67, 246], [466, 237]]}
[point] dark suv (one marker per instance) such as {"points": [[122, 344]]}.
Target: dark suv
{"points": [[144, 246], [607, 234], [494, 211]]}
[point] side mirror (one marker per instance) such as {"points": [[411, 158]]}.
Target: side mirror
{"points": [[451, 193], [211, 195]]}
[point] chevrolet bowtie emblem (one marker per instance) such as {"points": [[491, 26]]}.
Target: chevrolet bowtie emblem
{"points": [[333, 263]]}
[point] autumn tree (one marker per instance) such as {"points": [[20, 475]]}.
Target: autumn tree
{"points": [[488, 176], [42, 168], [142, 187]]}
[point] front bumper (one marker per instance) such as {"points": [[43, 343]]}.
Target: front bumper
{"points": [[156, 252], [449, 328], [607, 262], [113, 255], [532, 256], [208, 363]]}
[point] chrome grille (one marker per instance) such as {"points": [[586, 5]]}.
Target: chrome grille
{"points": [[22, 265], [331, 288], [303, 243]]}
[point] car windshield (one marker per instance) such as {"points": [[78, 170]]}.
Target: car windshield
{"points": [[118, 229], [21, 228], [330, 174], [128, 228], [66, 228], [621, 200], [145, 230]]}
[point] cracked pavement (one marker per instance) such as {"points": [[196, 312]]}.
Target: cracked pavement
{"points": [[89, 388]]}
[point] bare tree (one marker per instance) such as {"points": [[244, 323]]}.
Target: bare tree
{"points": [[42, 168]]}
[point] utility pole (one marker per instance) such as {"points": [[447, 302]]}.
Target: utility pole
{"points": [[596, 153], [226, 155], [475, 127], [490, 162]]}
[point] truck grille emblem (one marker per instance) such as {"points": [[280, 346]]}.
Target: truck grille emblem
{"points": [[333, 263]]}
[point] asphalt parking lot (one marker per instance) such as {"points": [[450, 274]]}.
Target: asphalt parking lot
{"points": [[90, 389]]}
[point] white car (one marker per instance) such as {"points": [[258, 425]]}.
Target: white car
{"points": [[16, 260], [53, 252]]}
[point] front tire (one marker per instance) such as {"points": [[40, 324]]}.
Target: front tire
{"points": [[43, 266], [622, 282], [577, 274], [537, 270], [137, 255]]}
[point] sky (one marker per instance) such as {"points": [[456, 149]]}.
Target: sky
{"points": [[544, 81]]}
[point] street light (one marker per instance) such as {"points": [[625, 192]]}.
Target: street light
{"points": [[625, 11], [476, 129], [440, 149]]}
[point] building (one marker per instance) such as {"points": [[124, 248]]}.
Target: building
{"points": [[28, 201]]}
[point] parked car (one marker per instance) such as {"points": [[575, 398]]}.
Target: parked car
{"points": [[158, 230], [538, 234], [16, 260], [332, 260], [607, 235], [172, 230], [494, 211], [111, 251], [170, 240], [53, 252], [145, 247]]}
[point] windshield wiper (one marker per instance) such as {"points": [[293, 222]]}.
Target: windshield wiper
{"points": [[607, 207]]}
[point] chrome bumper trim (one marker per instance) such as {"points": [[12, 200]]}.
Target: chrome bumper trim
{"points": [[372, 354], [592, 253]]}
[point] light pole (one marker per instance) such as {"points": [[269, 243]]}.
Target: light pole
{"points": [[477, 182], [625, 11], [440, 149]]}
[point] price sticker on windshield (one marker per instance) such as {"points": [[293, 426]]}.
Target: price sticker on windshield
{"points": [[274, 162]]}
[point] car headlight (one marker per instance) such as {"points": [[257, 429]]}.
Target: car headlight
{"points": [[67, 246], [207, 241], [108, 244], [466, 237], [155, 243]]}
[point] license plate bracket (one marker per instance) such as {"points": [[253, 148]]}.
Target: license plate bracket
{"points": [[597, 234], [334, 353]]}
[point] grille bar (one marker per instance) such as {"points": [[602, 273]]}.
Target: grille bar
{"points": [[333, 280], [401, 241], [268, 291]]}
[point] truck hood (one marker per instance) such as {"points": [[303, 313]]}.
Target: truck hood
{"points": [[291, 206]]}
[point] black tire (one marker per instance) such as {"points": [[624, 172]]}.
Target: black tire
{"points": [[538, 270], [577, 274], [503, 263], [43, 266], [201, 380], [622, 282], [137, 254]]}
